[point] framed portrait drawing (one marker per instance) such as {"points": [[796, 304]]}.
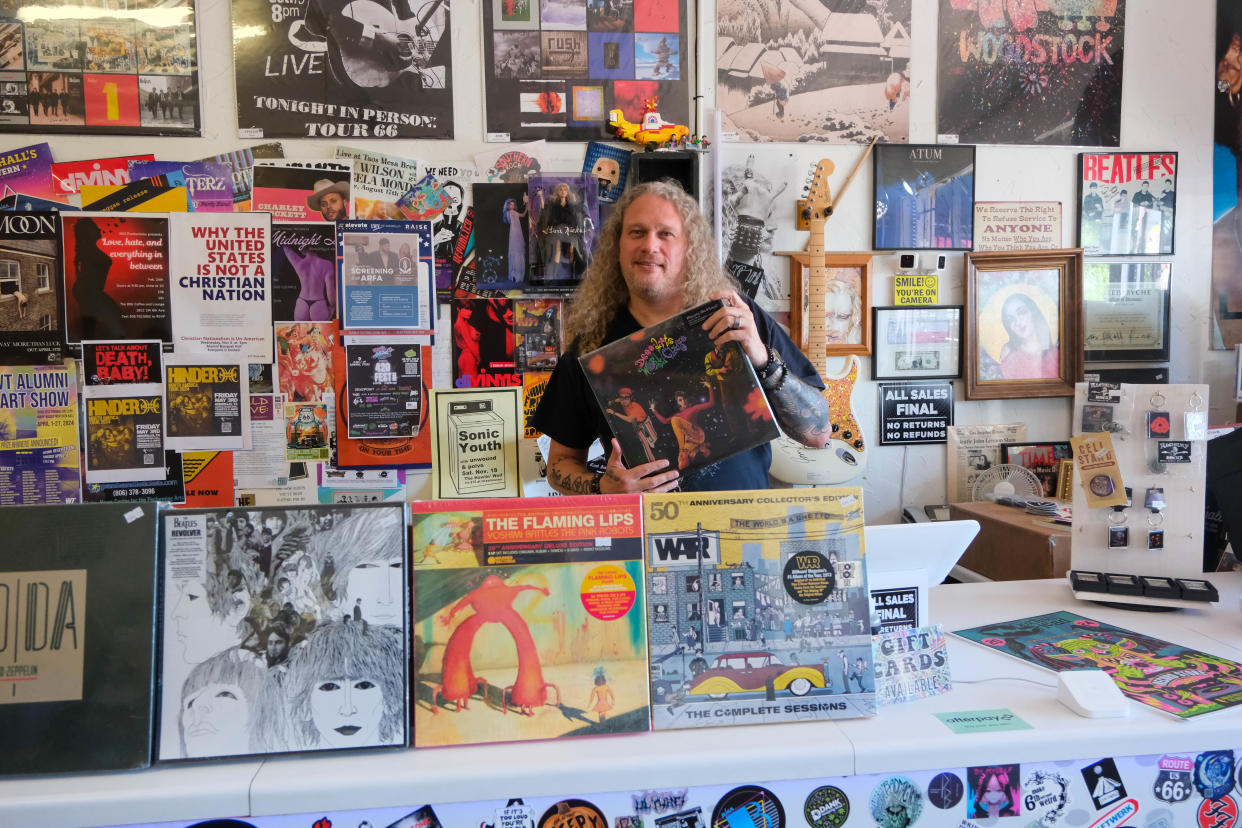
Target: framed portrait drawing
{"points": [[924, 197], [917, 342], [1126, 203], [1023, 331], [831, 315], [1125, 311]]}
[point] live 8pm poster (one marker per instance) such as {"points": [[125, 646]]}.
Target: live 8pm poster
{"points": [[1030, 73], [328, 69]]}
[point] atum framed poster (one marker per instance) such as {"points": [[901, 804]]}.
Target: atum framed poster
{"points": [[924, 197]]}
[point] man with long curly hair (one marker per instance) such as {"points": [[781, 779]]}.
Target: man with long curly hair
{"points": [[656, 257]]}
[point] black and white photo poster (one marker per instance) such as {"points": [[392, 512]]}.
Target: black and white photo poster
{"points": [[345, 70]]}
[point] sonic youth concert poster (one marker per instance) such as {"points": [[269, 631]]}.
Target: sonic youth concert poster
{"points": [[338, 70], [116, 276], [39, 435], [1028, 73], [106, 68], [554, 68]]}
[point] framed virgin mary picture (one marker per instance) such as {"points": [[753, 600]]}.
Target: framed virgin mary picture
{"points": [[1023, 324]]}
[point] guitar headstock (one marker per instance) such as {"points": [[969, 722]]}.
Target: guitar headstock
{"points": [[818, 192]]}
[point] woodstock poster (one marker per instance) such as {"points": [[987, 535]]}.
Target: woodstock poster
{"points": [[1030, 73], [798, 71]]}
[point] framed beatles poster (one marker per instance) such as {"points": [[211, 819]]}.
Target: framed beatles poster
{"points": [[109, 68], [924, 197], [555, 68], [1023, 334], [1125, 311], [1126, 203], [917, 343]]}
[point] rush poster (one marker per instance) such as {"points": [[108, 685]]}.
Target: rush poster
{"points": [[554, 68], [1030, 73], [328, 69]]}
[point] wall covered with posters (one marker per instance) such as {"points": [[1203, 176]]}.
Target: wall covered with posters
{"points": [[1168, 107]]}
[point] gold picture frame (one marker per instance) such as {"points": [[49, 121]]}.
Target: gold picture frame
{"points": [[1023, 324], [850, 333]]}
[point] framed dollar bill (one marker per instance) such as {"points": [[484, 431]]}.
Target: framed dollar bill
{"points": [[917, 343], [1125, 309]]}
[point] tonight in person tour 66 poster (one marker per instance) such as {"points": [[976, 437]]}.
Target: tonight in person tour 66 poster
{"points": [[337, 69]]}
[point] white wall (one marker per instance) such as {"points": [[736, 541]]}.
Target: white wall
{"points": [[1168, 91]]}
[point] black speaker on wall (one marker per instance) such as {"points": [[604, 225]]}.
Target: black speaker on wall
{"points": [[681, 166]]}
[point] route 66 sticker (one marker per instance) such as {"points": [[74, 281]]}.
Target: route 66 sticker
{"points": [[1172, 786]]}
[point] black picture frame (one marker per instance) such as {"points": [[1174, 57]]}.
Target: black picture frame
{"points": [[924, 197], [1127, 203], [1125, 311], [939, 327]]}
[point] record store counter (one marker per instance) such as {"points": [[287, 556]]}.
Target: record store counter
{"points": [[907, 737]]}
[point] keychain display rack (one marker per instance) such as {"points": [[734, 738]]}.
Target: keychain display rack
{"points": [[1149, 550]]}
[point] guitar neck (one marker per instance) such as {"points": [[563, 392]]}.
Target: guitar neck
{"points": [[816, 289]]}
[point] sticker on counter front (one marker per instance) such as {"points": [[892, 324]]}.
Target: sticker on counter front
{"points": [[1098, 472], [982, 721]]}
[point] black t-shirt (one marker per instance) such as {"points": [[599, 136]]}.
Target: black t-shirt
{"points": [[569, 413]]}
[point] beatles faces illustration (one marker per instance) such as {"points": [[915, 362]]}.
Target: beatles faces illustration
{"points": [[296, 634]]}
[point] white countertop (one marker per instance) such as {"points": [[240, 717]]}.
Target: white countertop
{"points": [[904, 737]]}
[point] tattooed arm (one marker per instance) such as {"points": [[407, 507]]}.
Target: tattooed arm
{"points": [[569, 475], [800, 408]]}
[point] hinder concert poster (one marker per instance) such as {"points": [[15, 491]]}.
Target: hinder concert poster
{"points": [[343, 70]]}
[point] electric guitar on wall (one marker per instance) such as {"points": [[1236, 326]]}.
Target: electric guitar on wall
{"points": [[845, 455]]}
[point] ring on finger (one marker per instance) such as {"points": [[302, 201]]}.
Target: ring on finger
{"points": [[737, 323]]}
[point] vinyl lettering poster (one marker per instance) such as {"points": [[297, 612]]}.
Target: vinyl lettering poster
{"points": [[221, 292], [116, 276], [331, 69], [1028, 73], [554, 68]]}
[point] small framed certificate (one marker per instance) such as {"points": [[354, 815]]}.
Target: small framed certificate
{"points": [[917, 343], [1125, 310]]}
